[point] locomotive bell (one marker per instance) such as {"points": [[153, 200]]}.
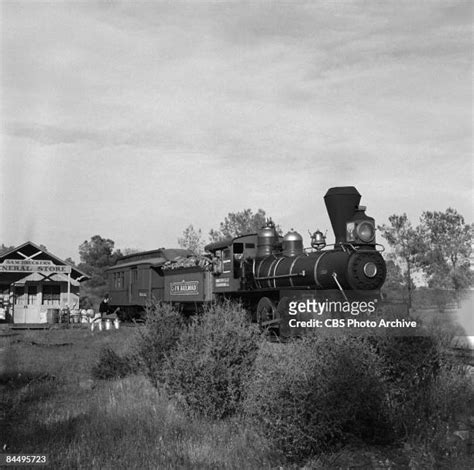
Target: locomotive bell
{"points": [[292, 244], [318, 240]]}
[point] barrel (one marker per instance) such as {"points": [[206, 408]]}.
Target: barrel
{"points": [[52, 315]]}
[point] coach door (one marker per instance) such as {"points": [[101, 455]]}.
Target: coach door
{"points": [[133, 286]]}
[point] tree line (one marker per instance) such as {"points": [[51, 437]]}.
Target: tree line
{"points": [[234, 225], [439, 248]]}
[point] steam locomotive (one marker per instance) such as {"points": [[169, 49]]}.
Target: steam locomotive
{"points": [[263, 270]]}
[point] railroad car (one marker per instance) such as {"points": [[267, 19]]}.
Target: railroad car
{"points": [[137, 279], [264, 270]]}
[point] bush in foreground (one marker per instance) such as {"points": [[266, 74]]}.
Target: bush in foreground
{"points": [[212, 360], [429, 391], [163, 328], [317, 392]]}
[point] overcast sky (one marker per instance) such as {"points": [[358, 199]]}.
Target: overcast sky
{"points": [[133, 120]]}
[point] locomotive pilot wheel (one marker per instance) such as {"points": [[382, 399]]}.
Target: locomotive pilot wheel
{"points": [[267, 316]]}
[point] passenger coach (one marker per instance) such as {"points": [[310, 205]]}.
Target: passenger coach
{"points": [[137, 279]]}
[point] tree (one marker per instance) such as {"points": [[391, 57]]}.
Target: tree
{"points": [[447, 247], [5, 249], [406, 243], [394, 279], [97, 255], [192, 240], [240, 223], [70, 261], [130, 251]]}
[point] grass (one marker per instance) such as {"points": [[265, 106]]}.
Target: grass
{"points": [[52, 406]]}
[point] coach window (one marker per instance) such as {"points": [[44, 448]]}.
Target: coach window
{"points": [[119, 279], [134, 276]]}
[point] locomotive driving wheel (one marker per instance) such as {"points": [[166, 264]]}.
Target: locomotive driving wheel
{"points": [[267, 315]]}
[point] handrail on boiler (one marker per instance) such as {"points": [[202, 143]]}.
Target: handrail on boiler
{"points": [[281, 276]]}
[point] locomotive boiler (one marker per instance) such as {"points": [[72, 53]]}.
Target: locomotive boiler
{"points": [[353, 262]]}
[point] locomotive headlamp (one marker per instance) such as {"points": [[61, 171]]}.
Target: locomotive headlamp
{"points": [[365, 231], [360, 231]]}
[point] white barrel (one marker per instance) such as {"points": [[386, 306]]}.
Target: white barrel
{"points": [[108, 324]]}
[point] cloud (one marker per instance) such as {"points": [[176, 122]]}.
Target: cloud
{"points": [[190, 110], [50, 135]]}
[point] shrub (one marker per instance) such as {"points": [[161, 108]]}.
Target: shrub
{"points": [[427, 388], [312, 393], [110, 365], [212, 360], [163, 327]]}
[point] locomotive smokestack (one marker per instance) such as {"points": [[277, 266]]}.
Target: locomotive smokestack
{"points": [[341, 204]]}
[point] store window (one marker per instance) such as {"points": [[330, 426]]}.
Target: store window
{"points": [[4, 290], [19, 295], [32, 292], [51, 294]]}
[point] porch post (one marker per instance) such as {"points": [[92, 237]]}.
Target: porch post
{"points": [[69, 290]]}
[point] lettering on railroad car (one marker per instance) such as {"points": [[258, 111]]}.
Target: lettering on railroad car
{"points": [[222, 282], [184, 288]]}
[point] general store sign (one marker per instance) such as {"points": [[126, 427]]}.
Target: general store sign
{"points": [[32, 266]]}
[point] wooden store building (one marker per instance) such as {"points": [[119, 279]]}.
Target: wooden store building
{"points": [[34, 283]]}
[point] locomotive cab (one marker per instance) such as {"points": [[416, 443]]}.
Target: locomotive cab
{"points": [[231, 259]]}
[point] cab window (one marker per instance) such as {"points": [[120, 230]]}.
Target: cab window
{"points": [[226, 261]]}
